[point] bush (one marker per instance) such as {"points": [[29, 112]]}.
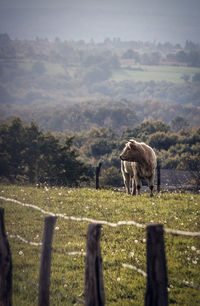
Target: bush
{"points": [[111, 177], [160, 140]]}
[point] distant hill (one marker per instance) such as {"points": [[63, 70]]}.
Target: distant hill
{"points": [[74, 85]]}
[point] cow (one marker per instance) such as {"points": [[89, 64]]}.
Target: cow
{"points": [[138, 162]]}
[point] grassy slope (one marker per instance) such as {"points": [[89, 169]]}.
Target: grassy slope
{"points": [[155, 73], [119, 245]]}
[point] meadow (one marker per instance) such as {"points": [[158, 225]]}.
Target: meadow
{"points": [[134, 73], [125, 244], [158, 73]]}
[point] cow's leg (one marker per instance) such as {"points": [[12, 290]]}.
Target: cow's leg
{"points": [[127, 182], [138, 183], [151, 185], [133, 186]]}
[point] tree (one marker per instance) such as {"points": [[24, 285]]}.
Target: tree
{"points": [[162, 141], [111, 177], [146, 128], [131, 54], [96, 74], [30, 153], [179, 123]]}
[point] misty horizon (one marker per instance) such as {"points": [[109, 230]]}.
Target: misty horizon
{"points": [[159, 21]]}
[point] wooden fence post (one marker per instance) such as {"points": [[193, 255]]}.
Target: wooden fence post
{"points": [[45, 261], [98, 168], [158, 175], [94, 286], [5, 265], [156, 291]]}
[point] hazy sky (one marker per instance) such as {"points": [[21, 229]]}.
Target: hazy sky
{"points": [[146, 20]]}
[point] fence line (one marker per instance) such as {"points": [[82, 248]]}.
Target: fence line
{"points": [[103, 222], [25, 241], [123, 265]]}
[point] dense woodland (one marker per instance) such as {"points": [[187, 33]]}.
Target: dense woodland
{"points": [[30, 155]]}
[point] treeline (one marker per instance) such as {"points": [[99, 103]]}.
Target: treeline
{"points": [[149, 53], [28, 155], [31, 155], [119, 115]]}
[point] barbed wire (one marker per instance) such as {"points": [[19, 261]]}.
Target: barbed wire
{"points": [[123, 265], [26, 241], [103, 222]]}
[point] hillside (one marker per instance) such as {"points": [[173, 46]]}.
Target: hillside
{"points": [[52, 81]]}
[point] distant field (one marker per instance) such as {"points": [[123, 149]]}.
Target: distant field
{"points": [[119, 245], [154, 73], [134, 73]]}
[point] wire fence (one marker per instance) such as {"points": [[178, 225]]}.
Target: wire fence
{"points": [[103, 222]]}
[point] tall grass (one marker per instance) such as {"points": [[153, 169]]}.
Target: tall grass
{"points": [[119, 245]]}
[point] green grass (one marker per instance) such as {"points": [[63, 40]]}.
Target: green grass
{"points": [[123, 244], [147, 73], [155, 73]]}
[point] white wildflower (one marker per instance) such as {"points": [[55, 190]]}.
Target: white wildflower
{"points": [[193, 248], [57, 228], [118, 279], [21, 253]]}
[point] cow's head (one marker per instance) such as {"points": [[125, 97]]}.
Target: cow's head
{"points": [[130, 152]]}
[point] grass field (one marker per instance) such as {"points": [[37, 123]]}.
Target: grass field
{"points": [[120, 245], [134, 73], [154, 73]]}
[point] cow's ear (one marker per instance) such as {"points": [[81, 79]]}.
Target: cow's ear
{"points": [[132, 144]]}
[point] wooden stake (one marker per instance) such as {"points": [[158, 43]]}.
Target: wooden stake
{"points": [[98, 168], [94, 286], [45, 261], [156, 291], [158, 176], [5, 265]]}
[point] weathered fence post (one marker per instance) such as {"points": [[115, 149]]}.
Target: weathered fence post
{"points": [[45, 261], [156, 291], [98, 168], [158, 175], [5, 265], [94, 286]]}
